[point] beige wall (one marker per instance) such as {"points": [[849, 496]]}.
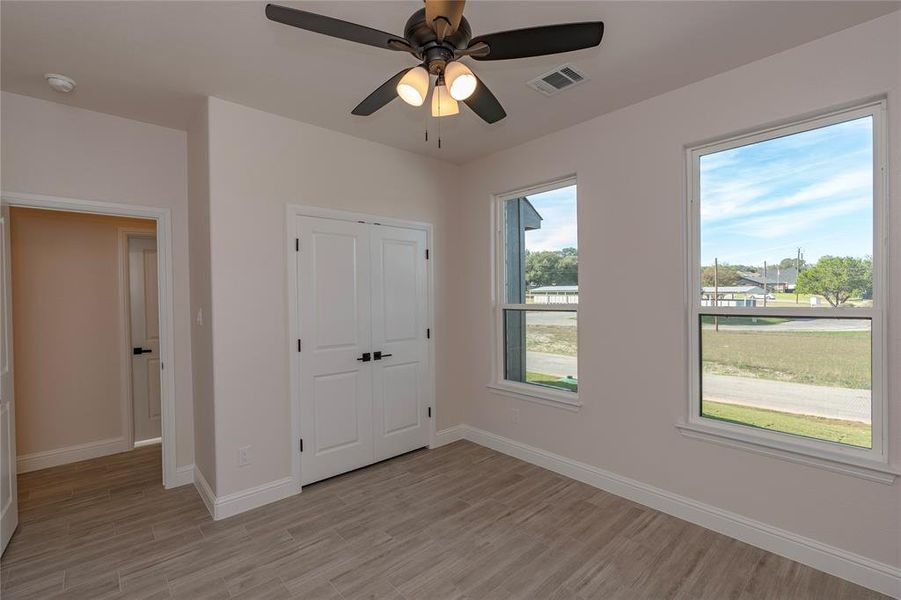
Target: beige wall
{"points": [[66, 327], [633, 350], [260, 162], [58, 150]]}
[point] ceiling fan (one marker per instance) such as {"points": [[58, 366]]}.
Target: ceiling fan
{"points": [[439, 36]]}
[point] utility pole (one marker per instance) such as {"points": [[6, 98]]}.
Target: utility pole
{"points": [[764, 284], [797, 274], [716, 291]]}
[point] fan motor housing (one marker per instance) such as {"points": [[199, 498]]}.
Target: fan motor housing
{"points": [[435, 54]]}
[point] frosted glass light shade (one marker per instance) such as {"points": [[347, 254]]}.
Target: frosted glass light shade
{"points": [[442, 103], [460, 80], [414, 86]]}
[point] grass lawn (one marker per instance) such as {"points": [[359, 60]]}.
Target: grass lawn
{"points": [[550, 380], [833, 430], [553, 339], [829, 358]]}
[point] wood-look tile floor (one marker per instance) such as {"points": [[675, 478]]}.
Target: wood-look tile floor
{"points": [[461, 521]]}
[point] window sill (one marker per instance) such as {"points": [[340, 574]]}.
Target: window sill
{"points": [[848, 465], [565, 400]]}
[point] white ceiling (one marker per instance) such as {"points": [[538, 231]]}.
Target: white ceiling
{"points": [[151, 61]]}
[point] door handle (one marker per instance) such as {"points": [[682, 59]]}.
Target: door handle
{"points": [[365, 357], [380, 356], [141, 350]]}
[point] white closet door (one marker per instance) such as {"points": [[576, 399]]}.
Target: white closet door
{"points": [[333, 282], [9, 512], [399, 320]]}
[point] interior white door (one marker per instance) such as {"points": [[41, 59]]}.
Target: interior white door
{"points": [[399, 319], [145, 337], [9, 512], [333, 294]]}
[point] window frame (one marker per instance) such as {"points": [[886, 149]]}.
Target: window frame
{"points": [[871, 463], [525, 391]]}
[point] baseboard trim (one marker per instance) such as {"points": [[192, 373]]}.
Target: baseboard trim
{"points": [[448, 436], [859, 569], [239, 502], [63, 456], [205, 492], [149, 442]]}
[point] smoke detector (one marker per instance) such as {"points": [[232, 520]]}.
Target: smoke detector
{"points": [[60, 83], [559, 79]]}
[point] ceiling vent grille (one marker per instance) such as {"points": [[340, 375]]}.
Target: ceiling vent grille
{"points": [[561, 78]]}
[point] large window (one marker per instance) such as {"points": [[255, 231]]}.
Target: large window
{"points": [[538, 292], [787, 304]]}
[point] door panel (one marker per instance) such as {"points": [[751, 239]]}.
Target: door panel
{"points": [[401, 385], [9, 512], [333, 279], [400, 316], [145, 335]]}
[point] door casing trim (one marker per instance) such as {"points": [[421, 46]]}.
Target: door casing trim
{"points": [[163, 218], [292, 211]]}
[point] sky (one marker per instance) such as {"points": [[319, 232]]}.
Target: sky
{"points": [[558, 226], [812, 190]]}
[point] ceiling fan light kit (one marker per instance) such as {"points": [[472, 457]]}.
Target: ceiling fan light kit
{"points": [[443, 104], [460, 80], [414, 86], [439, 36]]}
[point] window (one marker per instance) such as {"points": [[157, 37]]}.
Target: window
{"points": [[787, 305], [538, 292]]}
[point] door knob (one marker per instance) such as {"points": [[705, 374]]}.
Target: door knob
{"points": [[379, 356], [365, 357], [141, 350]]}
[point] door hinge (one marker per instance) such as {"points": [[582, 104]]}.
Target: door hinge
{"points": [[427, 254], [298, 345], [430, 412], [297, 244], [428, 333], [301, 444]]}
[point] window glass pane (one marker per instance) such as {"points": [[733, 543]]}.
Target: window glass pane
{"points": [[805, 376], [541, 348], [541, 248], [788, 222]]}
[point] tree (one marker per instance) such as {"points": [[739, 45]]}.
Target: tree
{"points": [[727, 275], [790, 263], [552, 267], [837, 278]]}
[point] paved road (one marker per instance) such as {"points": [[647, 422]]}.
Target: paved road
{"points": [[798, 398], [551, 364], [800, 325]]}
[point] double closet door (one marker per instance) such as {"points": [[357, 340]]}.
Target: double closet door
{"points": [[362, 292]]}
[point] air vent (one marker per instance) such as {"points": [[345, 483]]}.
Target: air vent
{"points": [[561, 78]]}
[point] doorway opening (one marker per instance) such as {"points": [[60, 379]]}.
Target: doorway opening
{"points": [[84, 284], [85, 322]]}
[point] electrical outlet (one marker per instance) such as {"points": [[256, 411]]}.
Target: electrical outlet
{"points": [[514, 416], [199, 318], [243, 456]]}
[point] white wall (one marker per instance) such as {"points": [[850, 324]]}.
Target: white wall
{"points": [[260, 162], [633, 351], [58, 150], [201, 311]]}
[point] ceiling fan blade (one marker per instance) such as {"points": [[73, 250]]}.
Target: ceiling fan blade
{"points": [[335, 28], [539, 41], [382, 95], [483, 103], [450, 10]]}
